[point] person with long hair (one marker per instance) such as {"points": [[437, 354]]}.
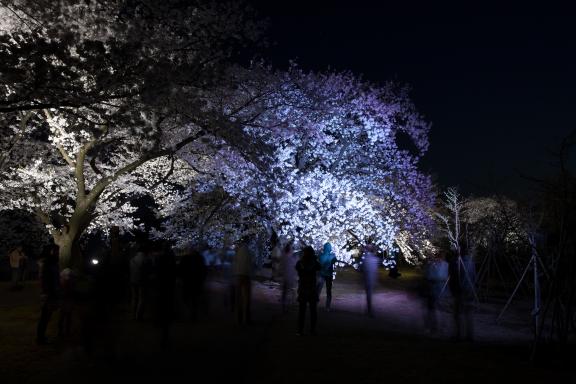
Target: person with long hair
{"points": [[307, 268]]}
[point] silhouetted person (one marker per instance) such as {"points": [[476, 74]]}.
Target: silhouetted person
{"points": [[165, 286], [226, 261], [210, 257], [462, 275], [49, 286], [435, 275], [67, 287], [393, 272], [192, 271], [370, 264], [287, 266], [241, 274], [276, 259], [327, 260], [99, 303], [92, 290], [141, 267], [18, 261], [307, 268], [84, 293]]}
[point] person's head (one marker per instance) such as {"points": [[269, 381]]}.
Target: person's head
{"points": [[288, 247], [190, 248], [308, 253], [439, 255], [140, 246], [327, 248], [167, 247], [53, 254], [155, 247]]}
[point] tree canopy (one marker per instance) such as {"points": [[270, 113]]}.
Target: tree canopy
{"points": [[104, 102]]}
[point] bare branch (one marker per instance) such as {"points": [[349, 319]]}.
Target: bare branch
{"points": [[167, 175]]}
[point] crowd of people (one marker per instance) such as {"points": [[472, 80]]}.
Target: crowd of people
{"points": [[157, 276]]}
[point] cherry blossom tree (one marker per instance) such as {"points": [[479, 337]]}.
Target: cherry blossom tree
{"points": [[345, 176], [495, 222], [334, 170], [139, 104], [89, 90]]}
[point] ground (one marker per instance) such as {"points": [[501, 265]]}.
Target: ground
{"points": [[350, 346]]}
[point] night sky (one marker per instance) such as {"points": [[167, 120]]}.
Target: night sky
{"points": [[497, 83]]}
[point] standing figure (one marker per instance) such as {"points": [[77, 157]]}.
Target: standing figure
{"points": [[226, 262], [165, 264], [49, 284], [276, 260], [307, 268], [17, 265], [287, 266], [393, 272], [370, 269], [436, 275], [462, 275], [67, 288], [192, 271], [327, 261], [241, 274], [140, 271]]}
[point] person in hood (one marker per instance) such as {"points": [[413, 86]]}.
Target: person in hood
{"points": [[327, 261]]}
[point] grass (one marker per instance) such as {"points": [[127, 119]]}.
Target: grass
{"points": [[350, 347]]}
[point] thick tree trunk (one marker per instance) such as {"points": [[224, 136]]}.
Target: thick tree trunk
{"points": [[70, 255], [68, 239], [65, 245]]}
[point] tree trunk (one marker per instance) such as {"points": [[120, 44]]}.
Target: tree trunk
{"points": [[70, 255], [68, 239]]}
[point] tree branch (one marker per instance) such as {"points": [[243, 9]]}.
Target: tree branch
{"points": [[79, 169], [216, 209], [16, 139], [167, 175], [104, 182], [59, 146]]}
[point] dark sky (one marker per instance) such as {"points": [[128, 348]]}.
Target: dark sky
{"points": [[497, 82]]}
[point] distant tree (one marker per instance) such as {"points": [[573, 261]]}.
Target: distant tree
{"points": [[499, 229], [557, 203], [451, 216]]}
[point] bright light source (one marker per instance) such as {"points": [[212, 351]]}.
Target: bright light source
{"points": [[95, 261]]}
